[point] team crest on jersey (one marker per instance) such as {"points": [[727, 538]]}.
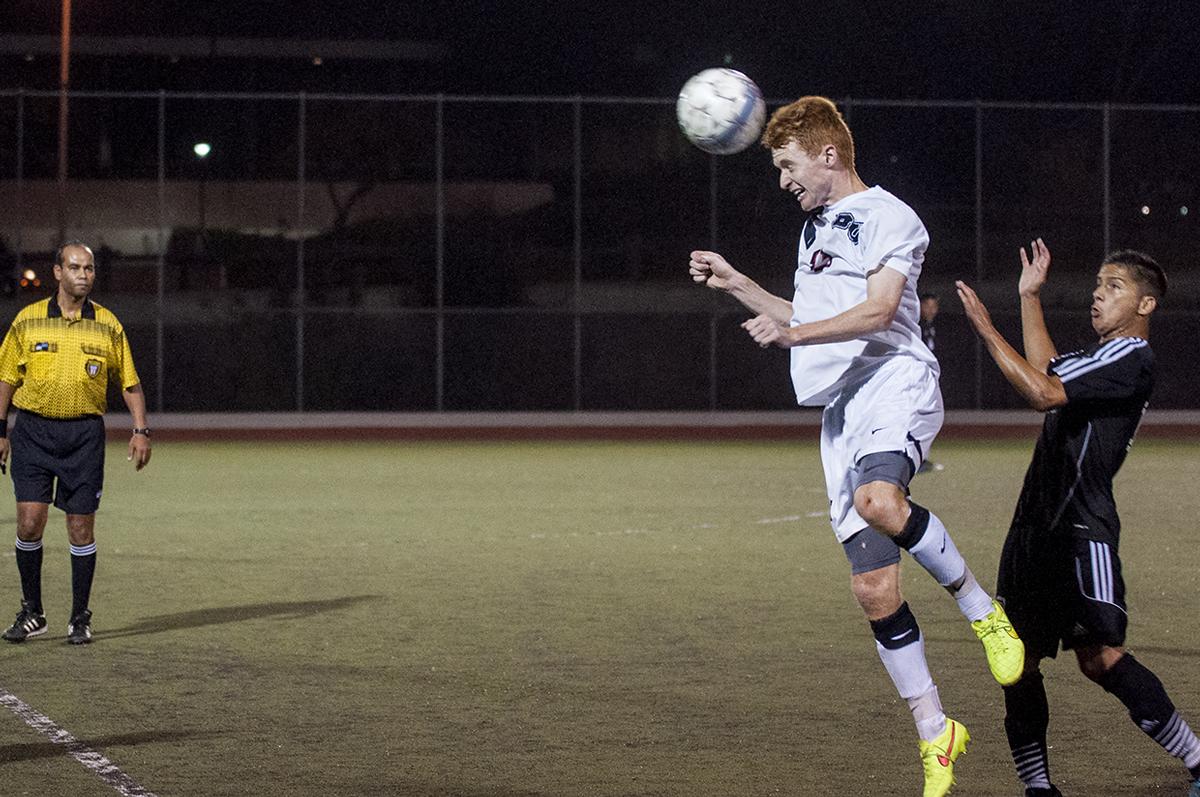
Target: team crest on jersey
{"points": [[93, 368], [846, 221], [820, 261]]}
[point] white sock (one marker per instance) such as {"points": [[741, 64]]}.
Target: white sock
{"points": [[935, 552], [910, 674], [973, 600], [927, 711]]}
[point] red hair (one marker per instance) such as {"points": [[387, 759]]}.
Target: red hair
{"points": [[813, 123]]}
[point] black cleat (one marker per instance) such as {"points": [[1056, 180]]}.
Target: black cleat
{"points": [[1050, 792], [28, 623], [79, 632]]}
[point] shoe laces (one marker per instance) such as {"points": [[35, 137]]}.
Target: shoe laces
{"points": [[993, 624]]}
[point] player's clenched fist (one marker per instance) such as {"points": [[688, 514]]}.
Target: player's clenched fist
{"points": [[767, 331], [711, 269]]}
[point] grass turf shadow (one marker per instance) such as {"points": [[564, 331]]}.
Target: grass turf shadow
{"points": [[198, 618], [33, 751]]}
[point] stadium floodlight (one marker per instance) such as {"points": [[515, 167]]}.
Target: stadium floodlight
{"points": [[201, 149]]}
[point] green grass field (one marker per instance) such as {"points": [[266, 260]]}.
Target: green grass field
{"points": [[549, 619]]}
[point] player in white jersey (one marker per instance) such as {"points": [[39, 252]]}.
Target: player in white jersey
{"points": [[852, 327]]}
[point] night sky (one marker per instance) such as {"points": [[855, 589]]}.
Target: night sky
{"points": [[1072, 51]]}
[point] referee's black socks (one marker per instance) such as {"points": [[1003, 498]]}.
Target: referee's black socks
{"points": [[83, 568], [29, 565]]}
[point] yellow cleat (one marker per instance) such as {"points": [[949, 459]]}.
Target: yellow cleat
{"points": [[938, 758], [1005, 650]]}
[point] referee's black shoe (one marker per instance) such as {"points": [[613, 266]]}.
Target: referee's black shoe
{"points": [[28, 623], [79, 632], [1050, 792]]}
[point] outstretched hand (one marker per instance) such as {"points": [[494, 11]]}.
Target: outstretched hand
{"points": [[1034, 272], [977, 312]]}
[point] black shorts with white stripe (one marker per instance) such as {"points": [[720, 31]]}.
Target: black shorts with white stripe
{"points": [[1069, 594]]}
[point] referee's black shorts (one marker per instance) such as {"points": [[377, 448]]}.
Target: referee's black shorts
{"points": [[70, 452], [1060, 590]]}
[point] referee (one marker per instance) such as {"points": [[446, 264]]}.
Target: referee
{"points": [[55, 365]]}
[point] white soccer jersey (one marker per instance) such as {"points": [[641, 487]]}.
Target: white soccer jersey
{"points": [[838, 249]]}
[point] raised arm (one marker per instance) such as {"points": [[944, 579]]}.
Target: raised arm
{"points": [[710, 269], [1042, 391], [1039, 348], [885, 287]]}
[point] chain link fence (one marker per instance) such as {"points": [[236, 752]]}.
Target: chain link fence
{"points": [[429, 253]]}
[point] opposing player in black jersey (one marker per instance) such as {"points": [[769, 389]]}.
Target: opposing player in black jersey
{"points": [[1060, 576]]}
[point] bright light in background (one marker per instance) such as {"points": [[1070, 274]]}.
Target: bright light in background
{"points": [[30, 274], [202, 148], [1183, 211], [1145, 210]]}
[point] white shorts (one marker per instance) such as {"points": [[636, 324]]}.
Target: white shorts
{"points": [[898, 408]]}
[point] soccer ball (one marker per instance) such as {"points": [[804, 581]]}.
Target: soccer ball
{"points": [[721, 111]]}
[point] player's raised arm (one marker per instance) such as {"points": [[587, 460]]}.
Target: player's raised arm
{"points": [[711, 269], [1042, 391], [1039, 348]]}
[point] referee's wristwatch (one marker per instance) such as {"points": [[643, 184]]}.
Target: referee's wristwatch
{"points": [[145, 430]]}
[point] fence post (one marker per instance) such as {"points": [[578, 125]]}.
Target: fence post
{"points": [[1106, 118], [299, 303], [20, 242], [577, 247], [713, 242], [160, 359], [978, 244], [440, 220]]}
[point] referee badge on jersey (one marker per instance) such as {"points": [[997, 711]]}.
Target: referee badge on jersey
{"points": [[93, 368]]}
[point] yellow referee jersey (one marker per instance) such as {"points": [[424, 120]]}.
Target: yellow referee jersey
{"points": [[61, 367]]}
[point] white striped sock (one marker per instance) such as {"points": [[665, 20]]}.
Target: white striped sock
{"points": [[22, 545], [1032, 767], [83, 550], [1177, 738]]}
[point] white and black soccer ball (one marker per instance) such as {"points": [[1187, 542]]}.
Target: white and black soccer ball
{"points": [[721, 111]]}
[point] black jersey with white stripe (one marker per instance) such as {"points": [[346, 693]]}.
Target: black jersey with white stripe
{"points": [[1069, 485]]}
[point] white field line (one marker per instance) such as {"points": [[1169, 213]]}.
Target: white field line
{"points": [[541, 535], [767, 521], [93, 761]]}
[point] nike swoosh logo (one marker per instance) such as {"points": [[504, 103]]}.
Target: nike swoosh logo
{"points": [[880, 429], [943, 760], [943, 542], [901, 636]]}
